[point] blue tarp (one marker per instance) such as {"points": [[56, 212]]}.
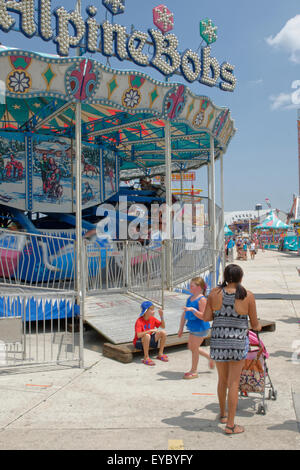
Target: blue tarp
{"points": [[37, 309]]}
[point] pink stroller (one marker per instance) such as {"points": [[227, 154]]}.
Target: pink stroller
{"points": [[255, 376]]}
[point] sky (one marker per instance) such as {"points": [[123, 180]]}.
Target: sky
{"points": [[261, 39]]}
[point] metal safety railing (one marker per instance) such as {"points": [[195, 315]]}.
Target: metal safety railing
{"points": [[220, 266], [219, 229], [37, 260], [125, 266], [38, 329], [146, 271], [129, 266], [105, 266], [189, 262]]}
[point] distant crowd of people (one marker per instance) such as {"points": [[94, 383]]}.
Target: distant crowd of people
{"points": [[243, 246]]}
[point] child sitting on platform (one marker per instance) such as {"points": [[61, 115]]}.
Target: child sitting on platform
{"points": [[147, 335]]}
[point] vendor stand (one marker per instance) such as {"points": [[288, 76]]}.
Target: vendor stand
{"points": [[270, 231], [296, 224]]}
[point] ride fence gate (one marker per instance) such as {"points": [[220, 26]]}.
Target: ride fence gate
{"points": [[34, 330], [38, 309], [125, 267]]}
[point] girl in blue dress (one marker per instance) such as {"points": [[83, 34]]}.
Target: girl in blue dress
{"points": [[193, 314]]}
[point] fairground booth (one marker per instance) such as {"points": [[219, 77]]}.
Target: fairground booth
{"points": [[72, 129], [271, 231], [295, 219], [296, 224]]}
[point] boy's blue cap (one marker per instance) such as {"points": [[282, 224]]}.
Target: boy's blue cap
{"points": [[144, 306]]}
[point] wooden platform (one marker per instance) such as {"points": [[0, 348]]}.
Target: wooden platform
{"points": [[267, 325], [124, 352], [114, 315]]}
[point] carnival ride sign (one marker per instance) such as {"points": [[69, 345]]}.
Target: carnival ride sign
{"points": [[191, 176], [112, 39], [185, 177]]}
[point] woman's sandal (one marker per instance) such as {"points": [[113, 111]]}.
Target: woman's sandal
{"points": [[234, 429]]}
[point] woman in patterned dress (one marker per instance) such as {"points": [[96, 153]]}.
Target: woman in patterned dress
{"points": [[229, 306]]}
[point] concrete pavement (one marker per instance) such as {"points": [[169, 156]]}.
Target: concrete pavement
{"points": [[116, 406]]}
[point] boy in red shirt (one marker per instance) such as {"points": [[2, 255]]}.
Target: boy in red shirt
{"points": [[147, 335]]}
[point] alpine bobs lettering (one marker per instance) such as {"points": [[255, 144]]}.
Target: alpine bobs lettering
{"points": [[110, 38]]}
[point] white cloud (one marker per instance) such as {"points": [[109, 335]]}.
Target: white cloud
{"points": [[283, 101], [280, 101], [288, 39]]}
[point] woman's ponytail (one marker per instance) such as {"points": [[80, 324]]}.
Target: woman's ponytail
{"points": [[241, 292], [234, 274]]}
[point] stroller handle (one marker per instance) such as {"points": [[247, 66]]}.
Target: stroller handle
{"points": [[260, 344], [256, 332]]}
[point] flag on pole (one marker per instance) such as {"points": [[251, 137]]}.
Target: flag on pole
{"points": [[268, 203]]}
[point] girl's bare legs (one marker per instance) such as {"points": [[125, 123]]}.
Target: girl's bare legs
{"points": [[205, 354], [193, 345]]}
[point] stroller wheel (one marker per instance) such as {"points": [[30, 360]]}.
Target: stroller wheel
{"points": [[272, 394], [261, 410]]}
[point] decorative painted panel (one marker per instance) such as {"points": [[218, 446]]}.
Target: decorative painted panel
{"points": [[12, 169], [110, 173], [52, 174], [91, 176]]}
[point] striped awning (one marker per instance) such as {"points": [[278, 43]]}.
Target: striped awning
{"points": [[122, 110]]}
